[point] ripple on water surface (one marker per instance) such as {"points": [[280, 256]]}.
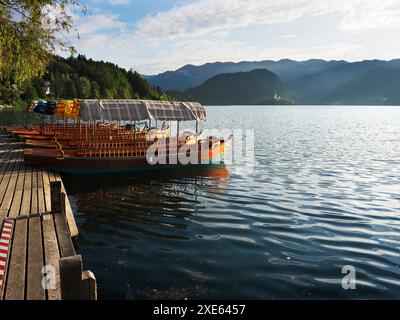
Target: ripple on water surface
{"points": [[323, 194]]}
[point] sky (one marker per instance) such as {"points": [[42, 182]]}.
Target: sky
{"points": [[153, 36]]}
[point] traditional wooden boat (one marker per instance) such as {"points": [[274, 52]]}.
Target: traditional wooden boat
{"points": [[113, 160], [97, 143]]}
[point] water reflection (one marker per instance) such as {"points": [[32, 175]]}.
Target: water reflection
{"points": [[323, 194], [154, 204]]}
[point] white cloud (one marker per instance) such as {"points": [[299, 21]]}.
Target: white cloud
{"points": [[117, 2], [201, 32], [95, 23], [155, 58], [202, 51], [372, 15], [285, 36], [205, 16], [95, 31]]}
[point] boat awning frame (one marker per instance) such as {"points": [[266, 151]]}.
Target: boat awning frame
{"points": [[136, 110]]}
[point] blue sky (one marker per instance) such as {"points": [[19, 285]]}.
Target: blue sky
{"points": [[153, 36]]}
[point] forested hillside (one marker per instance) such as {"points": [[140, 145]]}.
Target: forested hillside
{"points": [[252, 87], [82, 78]]}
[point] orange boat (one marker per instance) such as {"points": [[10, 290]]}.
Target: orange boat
{"points": [[98, 143]]}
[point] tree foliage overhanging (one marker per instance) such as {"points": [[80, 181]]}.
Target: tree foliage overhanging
{"points": [[30, 32]]}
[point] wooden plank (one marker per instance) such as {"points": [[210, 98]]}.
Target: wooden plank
{"points": [[34, 195], [73, 228], [57, 203], [58, 199], [40, 179], [15, 289], [9, 193], [18, 194], [46, 186], [65, 244], [41, 200], [4, 163], [34, 289], [5, 167], [52, 256], [26, 198], [6, 176]]}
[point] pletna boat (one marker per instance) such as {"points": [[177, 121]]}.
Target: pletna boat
{"points": [[109, 136]]}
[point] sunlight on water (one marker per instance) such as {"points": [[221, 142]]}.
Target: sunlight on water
{"points": [[324, 193]]}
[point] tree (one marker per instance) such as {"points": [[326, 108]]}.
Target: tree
{"points": [[108, 94], [8, 95], [83, 87], [94, 90], [125, 92], [30, 93], [68, 89], [29, 36]]}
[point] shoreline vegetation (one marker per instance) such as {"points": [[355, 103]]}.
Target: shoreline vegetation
{"points": [[75, 77], [84, 79]]}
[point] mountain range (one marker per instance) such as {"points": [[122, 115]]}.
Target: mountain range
{"points": [[305, 82], [191, 76]]}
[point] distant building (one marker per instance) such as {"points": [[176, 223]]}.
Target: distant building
{"points": [[277, 97], [46, 88]]}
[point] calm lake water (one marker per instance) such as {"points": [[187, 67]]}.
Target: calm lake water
{"points": [[324, 194]]}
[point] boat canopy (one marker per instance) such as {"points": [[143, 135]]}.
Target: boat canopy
{"points": [[175, 110], [125, 110], [113, 110]]}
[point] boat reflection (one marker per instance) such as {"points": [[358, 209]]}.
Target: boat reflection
{"points": [[151, 204]]}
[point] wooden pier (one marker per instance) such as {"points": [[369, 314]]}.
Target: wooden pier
{"points": [[38, 260]]}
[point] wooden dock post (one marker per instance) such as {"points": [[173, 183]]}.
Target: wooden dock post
{"points": [[74, 284], [89, 286], [71, 278], [57, 197]]}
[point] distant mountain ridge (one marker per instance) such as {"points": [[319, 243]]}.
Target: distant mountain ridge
{"points": [[320, 88], [309, 82], [378, 86], [191, 76]]}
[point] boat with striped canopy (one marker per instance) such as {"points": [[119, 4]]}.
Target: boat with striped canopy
{"points": [[113, 135]]}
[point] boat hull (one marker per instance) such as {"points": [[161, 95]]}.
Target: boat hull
{"points": [[84, 165], [88, 165]]}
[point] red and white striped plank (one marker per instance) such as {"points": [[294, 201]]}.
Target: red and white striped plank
{"points": [[5, 245]]}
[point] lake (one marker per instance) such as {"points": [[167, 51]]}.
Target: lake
{"points": [[324, 193]]}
